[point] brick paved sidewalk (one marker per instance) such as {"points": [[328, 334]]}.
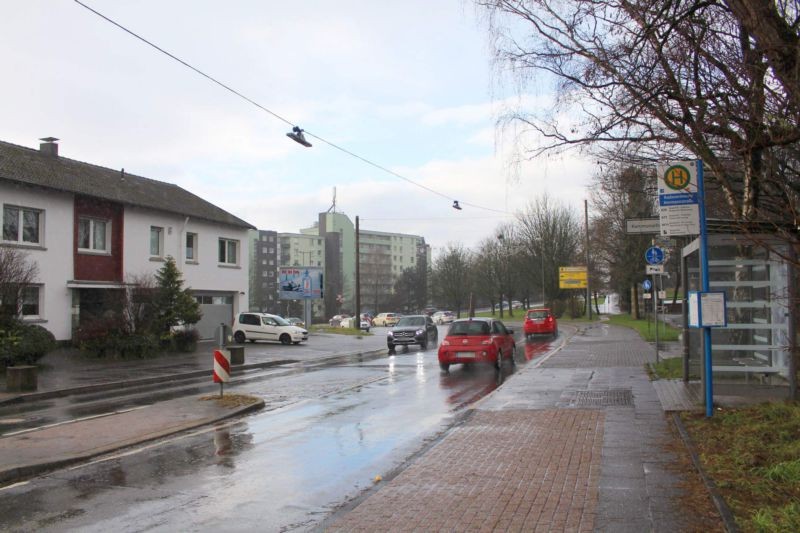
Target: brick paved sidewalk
{"points": [[513, 470]]}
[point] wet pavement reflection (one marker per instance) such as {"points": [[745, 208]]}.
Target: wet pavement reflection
{"points": [[279, 470]]}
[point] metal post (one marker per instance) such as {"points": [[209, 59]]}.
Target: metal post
{"points": [[685, 310], [588, 286], [358, 275], [791, 328], [707, 362], [655, 313]]}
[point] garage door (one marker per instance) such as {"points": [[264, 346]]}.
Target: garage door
{"points": [[216, 309]]}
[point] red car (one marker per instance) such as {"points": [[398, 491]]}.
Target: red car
{"points": [[540, 321], [472, 340]]}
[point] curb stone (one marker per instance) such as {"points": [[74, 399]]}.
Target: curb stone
{"points": [[728, 521], [23, 472]]}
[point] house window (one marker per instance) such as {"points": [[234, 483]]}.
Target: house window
{"points": [[191, 246], [30, 302], [93, 235], [22, 225], [228, 251], [156, 241]]}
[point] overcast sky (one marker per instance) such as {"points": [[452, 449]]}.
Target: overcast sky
{"points": [[406, 84]]}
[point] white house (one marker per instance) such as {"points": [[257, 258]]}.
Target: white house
{"points": [[92, 229]]}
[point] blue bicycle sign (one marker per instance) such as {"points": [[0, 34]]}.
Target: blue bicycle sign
{"points": [[654, 255]]}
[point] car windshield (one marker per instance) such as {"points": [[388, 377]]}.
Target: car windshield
{"points": [[280, 321], [411, 321], [537, 314], [469, 327]]}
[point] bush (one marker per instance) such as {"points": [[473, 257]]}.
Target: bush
{"points": [[183, 341], [121, 345], [24, 344], [108, 337]]}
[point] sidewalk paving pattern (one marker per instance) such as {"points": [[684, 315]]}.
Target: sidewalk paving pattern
{"points": [[578, 443]]}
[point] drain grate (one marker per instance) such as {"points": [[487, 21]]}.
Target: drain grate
{"points": [[603, 398]]}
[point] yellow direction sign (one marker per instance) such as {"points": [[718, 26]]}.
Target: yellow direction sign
{"points": [[572, 278]]}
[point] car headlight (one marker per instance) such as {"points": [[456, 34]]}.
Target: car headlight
{"points": [[390, 334], [420, 331]]}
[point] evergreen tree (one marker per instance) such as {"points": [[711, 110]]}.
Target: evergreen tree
{"points": [[174, 305]]}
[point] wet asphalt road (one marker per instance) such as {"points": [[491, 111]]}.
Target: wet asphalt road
{"points": [[325, 436]]}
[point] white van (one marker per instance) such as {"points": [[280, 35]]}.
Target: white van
{"points": [[265, 327]]}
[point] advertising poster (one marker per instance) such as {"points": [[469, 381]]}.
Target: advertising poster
{"points": [[300, 283]]}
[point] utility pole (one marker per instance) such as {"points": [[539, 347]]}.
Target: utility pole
{"points": [[588, 285], [358, 275]]}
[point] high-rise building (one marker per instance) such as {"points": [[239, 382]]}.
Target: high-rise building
{"points": [[331, 243]]}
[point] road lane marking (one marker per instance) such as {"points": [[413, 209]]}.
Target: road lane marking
{"points": [[64, 422]]}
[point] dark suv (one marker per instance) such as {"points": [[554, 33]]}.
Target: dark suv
{"points": [[413, 329]]}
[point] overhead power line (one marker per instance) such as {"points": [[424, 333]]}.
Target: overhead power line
{"points": [[281, 118]]}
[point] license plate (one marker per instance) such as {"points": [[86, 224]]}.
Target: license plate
{"points": [[465, 354]]}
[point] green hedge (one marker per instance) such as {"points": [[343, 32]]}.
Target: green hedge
{"points": [[24, 344]]}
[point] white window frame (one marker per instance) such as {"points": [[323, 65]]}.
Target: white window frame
{"points": [[92, 249], [20, 225], [39, 294], [194, 247], [226, 260], [160, 252]]}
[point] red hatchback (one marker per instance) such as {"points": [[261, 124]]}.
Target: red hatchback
{"points": [[472, 340], [540, 321]]}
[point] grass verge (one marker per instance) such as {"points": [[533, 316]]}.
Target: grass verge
{"points": [[646, 328], [671, 368], [323, 328], [753, 455]]}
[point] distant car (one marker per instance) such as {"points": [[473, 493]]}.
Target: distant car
{"points": [[443, 317], [475, 340], [516, 304], [366, 317], [336, 320], [293, 320], [412, 329], [365, 324], [540, 321], [386, 319], [263, 326]]}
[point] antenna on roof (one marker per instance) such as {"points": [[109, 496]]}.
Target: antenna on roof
{"points": [[333, 207]]}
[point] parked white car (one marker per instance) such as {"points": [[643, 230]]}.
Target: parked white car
{"points": [[443, 317], [265, 327]]}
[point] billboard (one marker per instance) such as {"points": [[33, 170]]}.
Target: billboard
{"points": [[572, 278], [300, 283]]}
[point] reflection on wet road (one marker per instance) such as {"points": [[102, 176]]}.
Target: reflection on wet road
{"points": [[281, 470]]}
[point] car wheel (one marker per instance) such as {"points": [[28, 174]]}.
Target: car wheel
{"points": [[445, 367], [555, 333], [499, 363], [285, 339], [514, 356], [423, 345], [239, 337]]}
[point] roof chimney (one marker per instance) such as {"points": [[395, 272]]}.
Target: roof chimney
{"points": [[49, 146]]}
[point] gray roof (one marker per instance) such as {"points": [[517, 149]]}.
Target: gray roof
{"points": [[32, 167]]}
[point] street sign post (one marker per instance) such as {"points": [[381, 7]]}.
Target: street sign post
{"points": [[643, 225], [572, 277], [654, 255], [678, 198]]}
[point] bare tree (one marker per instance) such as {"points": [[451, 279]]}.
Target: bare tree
{"points": [[659, 80], [551, 235], [451, 273], [17, 272]]}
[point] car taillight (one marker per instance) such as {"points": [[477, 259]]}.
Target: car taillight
{"points": [[445, 342], [487, 341]]}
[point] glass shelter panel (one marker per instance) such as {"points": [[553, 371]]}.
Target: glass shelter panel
{"points": [[754, 279]]}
